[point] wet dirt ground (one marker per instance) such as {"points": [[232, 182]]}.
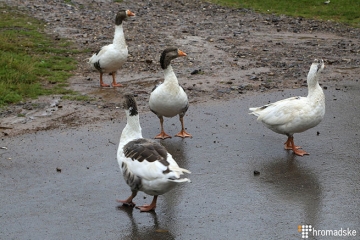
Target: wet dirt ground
{"points": [[63, 183], [230, 52]]}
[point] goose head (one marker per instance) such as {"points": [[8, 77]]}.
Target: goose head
{"points": [[123, 15], [169, 54], [319, 64], [316, 68], [130, 105]]}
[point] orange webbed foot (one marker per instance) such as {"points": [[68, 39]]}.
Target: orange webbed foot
{"points": [[117, 85], [162, 135], [300, 152], [289, 147], [289, 144], [146, 208], [183, 134], [126, 202]]}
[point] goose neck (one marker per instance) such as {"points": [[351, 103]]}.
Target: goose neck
{"points": [[119, 38], [169, 75]]}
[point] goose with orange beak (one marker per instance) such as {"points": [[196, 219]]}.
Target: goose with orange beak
{"points": [[111, 57], [169, 99]]}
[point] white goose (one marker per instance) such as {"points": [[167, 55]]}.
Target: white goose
{"points": [[111, 57], [169, 99], [145, 164], [296, 114]]}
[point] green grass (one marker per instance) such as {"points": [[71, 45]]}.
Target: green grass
{"points": [[344, 11], [32, 63]]}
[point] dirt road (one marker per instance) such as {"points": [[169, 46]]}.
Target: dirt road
{"points": [[231, 52]]}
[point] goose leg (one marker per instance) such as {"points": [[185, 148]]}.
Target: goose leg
{"points": [[296, 149], [114, 84], [289, 142], [129, 202], [183, 133], [147, 208], [162, 134], [102, 84]]}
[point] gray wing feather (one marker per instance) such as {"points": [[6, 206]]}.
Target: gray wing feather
{"points": [[145, 149]]}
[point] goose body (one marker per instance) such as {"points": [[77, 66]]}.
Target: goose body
{"points": [[111, 57], [295, 114], [169, 99], [145, 164]]}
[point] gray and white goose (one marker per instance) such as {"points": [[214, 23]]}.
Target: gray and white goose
{"points": [[296, 114], [145, 164], [169, 99], [111, 57]]}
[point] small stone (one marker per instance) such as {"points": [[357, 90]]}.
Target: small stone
{"points": [[196, 71]]}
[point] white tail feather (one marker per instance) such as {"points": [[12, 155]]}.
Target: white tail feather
{"points": [[179, 169], [180, 180], [254, 111]]}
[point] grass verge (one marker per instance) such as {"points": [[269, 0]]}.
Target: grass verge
{"points": [[344, 11], [32, 63]]}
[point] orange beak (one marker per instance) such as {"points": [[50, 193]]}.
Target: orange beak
{"points": [[181, 53], [129, 13]]}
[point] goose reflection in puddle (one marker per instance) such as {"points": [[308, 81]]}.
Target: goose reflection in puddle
{"points": [[295, 183], [138, 230]]}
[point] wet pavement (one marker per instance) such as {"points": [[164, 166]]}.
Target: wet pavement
{"points": [[62, 184]]}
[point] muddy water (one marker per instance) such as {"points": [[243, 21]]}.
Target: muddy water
{"points": [[62, 184]]}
